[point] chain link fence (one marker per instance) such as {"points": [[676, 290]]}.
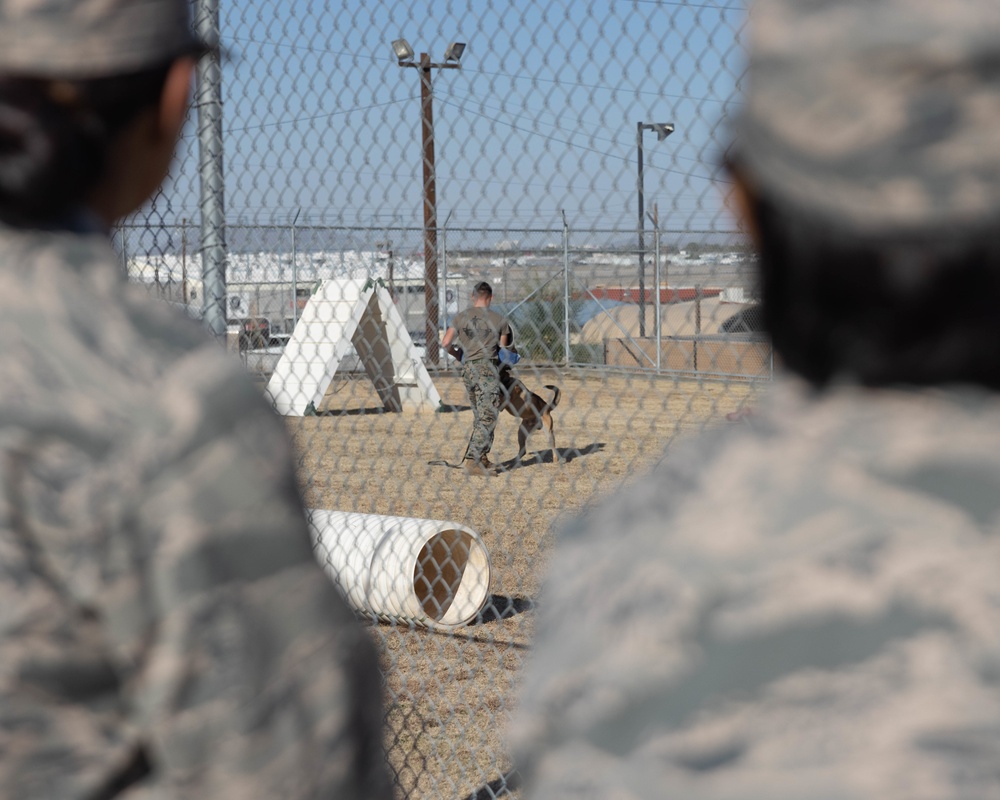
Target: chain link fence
{"points": [[334, 203]]}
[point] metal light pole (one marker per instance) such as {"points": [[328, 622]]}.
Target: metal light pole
{"points": [[663, 130], [404, 54]]}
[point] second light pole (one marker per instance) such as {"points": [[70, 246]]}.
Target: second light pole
{"points": [[404, 55], [663, 130]]}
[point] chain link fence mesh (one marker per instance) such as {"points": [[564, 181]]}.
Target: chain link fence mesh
{"points": [[551, 175]]}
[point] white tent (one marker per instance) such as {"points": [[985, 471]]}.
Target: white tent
{"points": [[676, 319], [342, 313]]}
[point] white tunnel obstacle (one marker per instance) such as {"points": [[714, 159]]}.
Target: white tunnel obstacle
{"points": [[339, 315], [423, 571]]}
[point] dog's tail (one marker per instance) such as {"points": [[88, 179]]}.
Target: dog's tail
{"points": [[555, 396]]}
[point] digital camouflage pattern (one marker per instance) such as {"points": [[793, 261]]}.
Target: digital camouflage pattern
{"points": [[163, 624], [482, 382], [91, 38], [806, 607], [877, 114], [802, 609], [478, 332]]}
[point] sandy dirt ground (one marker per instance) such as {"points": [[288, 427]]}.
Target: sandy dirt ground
{"points": [[449, 695]]}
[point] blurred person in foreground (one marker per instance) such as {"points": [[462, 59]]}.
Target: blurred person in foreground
{"points": [[808, 607], [164, 629]]}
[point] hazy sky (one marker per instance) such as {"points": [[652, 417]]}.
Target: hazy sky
{"points": [[319, 118]]}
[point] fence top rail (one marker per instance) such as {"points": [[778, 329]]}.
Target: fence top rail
{"points": [[194, 223]]}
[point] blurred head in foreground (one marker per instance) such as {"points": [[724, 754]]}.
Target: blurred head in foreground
{"points": [[93, 94], [165, 628], [868, 162], [804, 606]]}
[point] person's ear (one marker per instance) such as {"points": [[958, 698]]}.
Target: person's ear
{"points": [[175, 98]]}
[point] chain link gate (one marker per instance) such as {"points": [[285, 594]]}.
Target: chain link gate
{"points": [[536, 158]]}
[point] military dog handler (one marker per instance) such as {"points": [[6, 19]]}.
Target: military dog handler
{"points": [[479, 333]]}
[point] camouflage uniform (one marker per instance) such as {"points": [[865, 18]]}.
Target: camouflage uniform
{"points": [[878, 117], [162, 617], [482, 382], [165, 631], [807, 607], [92, 38], [479, 331]]}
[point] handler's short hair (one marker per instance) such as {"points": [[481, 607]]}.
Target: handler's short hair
{"points": [[483, 289]]}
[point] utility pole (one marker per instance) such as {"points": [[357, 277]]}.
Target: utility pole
{"points": [[404, 54], [430, 212]]}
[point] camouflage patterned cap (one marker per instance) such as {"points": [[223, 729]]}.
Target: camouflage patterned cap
{"points": [[92, 38], [880, 115]]}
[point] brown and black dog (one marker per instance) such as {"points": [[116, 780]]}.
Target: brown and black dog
{"points": [[532, 410]]}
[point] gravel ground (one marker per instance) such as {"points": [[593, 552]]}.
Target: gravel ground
{"points": [[448, 695]]}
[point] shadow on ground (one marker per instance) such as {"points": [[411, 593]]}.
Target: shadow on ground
{"points": [[501, 606], [350, 412], [356, 412], [444, 408], [566, 454], [499, 787]]}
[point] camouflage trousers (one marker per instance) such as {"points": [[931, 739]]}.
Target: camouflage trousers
{"points": [[482, 382]]}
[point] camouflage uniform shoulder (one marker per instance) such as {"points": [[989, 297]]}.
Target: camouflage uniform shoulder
{"points": [[152, 526], [797, 609]]}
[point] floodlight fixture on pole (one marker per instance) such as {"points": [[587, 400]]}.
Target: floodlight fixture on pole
{"points": [[403, 51], [663, 130], [404, 56], [454, 52]]}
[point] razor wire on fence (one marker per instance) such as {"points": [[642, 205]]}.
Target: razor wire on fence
{"points": [[338, 195]]}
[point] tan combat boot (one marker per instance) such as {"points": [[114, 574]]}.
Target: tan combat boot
{"points": [[474, 467]]}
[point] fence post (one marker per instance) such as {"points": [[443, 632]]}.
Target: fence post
{"points": [[208, 101], [184, 262], [697, 322], [656, 254], [565, 287], [124, 241], [295, 275]]}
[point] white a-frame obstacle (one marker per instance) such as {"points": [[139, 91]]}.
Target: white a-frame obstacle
{"points": [[341, 313]]}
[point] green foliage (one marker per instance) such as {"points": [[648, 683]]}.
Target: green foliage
{"points": [[586, 353], [539, 329]]}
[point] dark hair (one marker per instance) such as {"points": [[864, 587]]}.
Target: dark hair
{"points": [[913, 308], [483, 289], [55, 136]]}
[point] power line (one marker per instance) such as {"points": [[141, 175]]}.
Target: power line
{"points": [[573, 144], [473, 71], [310, 118], [559, 128], [710, 6]]}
